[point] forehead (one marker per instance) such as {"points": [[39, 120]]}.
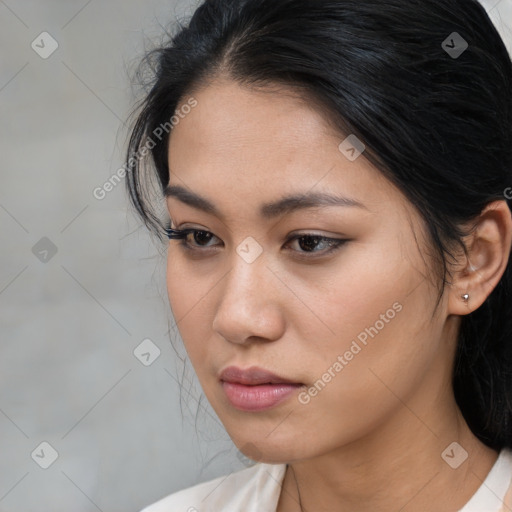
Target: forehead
{"points": [[230, 116], [264, 143]]}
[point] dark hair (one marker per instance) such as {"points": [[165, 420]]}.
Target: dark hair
{"points": [[438, 125]]}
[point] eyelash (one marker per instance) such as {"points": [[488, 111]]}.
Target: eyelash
{"points": [[181, 235]]}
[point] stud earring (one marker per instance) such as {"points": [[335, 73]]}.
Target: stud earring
{"points": [[465, 297]]}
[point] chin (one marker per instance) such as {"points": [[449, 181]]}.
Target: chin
{"points": [[275, 451]]}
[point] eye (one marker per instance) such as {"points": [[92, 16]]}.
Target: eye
{"points": [[310, 242], [307, 242], [200, 236]]}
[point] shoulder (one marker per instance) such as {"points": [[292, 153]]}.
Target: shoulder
{"points": [[506, 473], [495, 492], [254, 489]]}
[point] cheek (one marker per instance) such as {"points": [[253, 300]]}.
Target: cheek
{"points": [[188, 299], [182, 296], [175, 286], [358, 295], [374, 315]]}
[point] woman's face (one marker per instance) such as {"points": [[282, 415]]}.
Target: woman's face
{"points": [[353, 326]]}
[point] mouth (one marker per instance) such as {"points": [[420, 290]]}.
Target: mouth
{"points": [[255, 389]]}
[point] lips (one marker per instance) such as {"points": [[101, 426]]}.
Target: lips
{"points": [[253, 376], [255, 389]]}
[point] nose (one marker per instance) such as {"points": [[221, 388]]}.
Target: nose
{"points": [[249, 308]]}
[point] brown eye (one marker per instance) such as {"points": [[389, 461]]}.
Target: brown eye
{"points": [[309, 242], [202, 237]]}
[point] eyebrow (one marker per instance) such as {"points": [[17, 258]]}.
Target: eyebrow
{"points": [[283, 206]]}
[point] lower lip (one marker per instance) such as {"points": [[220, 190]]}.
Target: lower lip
{"points": [[257, 398]]}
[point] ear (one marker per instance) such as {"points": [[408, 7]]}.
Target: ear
{"points": [[489, 246]]}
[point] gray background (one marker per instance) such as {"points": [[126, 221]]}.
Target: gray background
{"points": [[70, 321]]}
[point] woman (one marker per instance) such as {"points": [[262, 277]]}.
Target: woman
{"points": [[335, 173]]}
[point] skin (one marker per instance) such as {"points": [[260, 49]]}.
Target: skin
{"points": [[372, 439]]}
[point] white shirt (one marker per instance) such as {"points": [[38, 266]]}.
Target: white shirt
{"points": [[257, 489]]}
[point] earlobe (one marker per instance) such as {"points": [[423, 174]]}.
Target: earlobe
{"points": [[488, 253]]}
